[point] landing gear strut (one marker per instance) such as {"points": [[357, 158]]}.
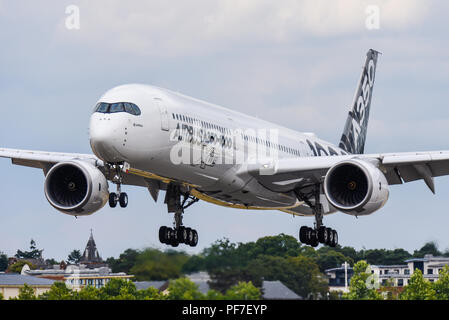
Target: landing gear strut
{"points": [[119, 197], [318, 234], [178, 234]]}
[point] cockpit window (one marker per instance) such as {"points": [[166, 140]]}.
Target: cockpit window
{"points": [[102, 107], [116, 107], [128, 107]]}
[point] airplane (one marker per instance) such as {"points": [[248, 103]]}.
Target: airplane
{"points": [[151, 137]]}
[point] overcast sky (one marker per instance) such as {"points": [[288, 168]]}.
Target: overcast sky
{"points": [[295, 63]]}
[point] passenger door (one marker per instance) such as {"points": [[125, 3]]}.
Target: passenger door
{"points": [[163, 112]]}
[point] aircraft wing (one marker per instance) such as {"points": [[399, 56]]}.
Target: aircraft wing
{"points": [[284, 175], [45, 160]]}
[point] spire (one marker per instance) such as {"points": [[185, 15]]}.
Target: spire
{"points": [[91, 255]]}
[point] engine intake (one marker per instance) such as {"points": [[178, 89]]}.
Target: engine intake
{"points": [[76, 188], [356, 187]]}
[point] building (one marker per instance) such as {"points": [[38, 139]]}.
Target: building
{"points": [[399, 275], [276, 290], [10, 284], [78, 276], [391, 275], [91, 257], [91, 271], [339, 278]]}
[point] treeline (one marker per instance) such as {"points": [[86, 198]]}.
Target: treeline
{"points": [[119, 289], [301, 268]]}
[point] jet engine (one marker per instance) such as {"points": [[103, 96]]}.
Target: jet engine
{"points": [[356, 187], [76, 188]]}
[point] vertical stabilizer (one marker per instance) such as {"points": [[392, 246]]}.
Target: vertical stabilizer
{"points": [[354, 134]]}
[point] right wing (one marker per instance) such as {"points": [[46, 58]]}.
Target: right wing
{"points": [[45, 160]]}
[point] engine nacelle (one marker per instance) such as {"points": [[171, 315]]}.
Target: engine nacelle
{"points": [[356, 187], [76, 188]]}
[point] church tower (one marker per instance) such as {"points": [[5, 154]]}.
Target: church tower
{"points": [[91, 258]]}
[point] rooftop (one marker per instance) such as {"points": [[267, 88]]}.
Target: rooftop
{"points": [[18, 279]]}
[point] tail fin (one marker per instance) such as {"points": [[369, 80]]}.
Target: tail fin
{"points": [[354, 134]]}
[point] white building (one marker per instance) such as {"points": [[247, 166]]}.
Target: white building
{"points": [[399, 275]]}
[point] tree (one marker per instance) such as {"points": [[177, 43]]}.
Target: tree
{"points": [[1, 296], [300, 274], [3, 262], [74, 257], [125, 261], [183, 289], [89, 293], [26, 293], [150, 294], [418, 288], [34, 253], [428, 248], [153, 264], [363, 284], [17, 267], [441, 286], [58, 291], [118, 289], [243, 291]]}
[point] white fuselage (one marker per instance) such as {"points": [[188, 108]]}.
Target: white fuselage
{"points": [[198, 143]]}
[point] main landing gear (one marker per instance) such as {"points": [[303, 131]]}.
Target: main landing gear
{"points": [[178, 234], [318, 234], [119, 197]]}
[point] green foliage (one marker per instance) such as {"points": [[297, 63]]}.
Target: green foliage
{"points": [[125, 261], [17, 267], [362, 285], [184, 289], [1, 296], [243, 291], [428, 248], [26, 293], [88, 293], [300, 274], [418, 288], [271, 258], [152, 264], [3, 262], [58, 291], [150, 294], [441, 286], [34, 253], [74, 257]]}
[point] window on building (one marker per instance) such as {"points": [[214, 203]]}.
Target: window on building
{"points": [[400, 282], [429, 271], [407, 271]]}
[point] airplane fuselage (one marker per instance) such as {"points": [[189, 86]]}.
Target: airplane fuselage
{"points": [[198, 143]]}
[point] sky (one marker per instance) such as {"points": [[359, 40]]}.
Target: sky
{"points": [[295, 63]]}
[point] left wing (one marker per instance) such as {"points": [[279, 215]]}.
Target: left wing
{"points": [[284, 175]]}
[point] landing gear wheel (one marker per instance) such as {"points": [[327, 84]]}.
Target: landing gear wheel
{"points": [[113, 199], [123, 199], [163, 235], [323, 235], [303, 234], [334, 242], [194, 241], [313, 238], [182, 234]]}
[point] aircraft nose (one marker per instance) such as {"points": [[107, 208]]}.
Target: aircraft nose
{"points": [[104, 139]]}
